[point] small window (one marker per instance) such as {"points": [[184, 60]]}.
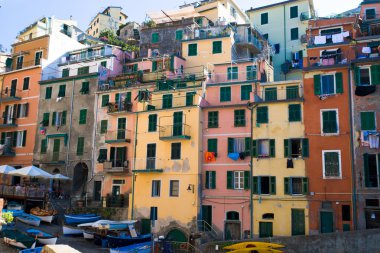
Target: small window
{"points": [[174, 188], [270, 94], [372, 202], [294, 34], [80, 146], [213, 119], [216, 47], [264, 18], [155, 37], [251, 73], [328, 84], [20, 61], [176, 151], [365, 77], [48, 92], [296, 148], [268, 216], [167, 101], [245, 92], [368, 120], [62, 91], [85, 88], [210, 182], [103, 126], [294, 113], [371, 170], [370, 13], [264, 185], [152, 123], [225, 94], [294, 12], [43, 146], [37, 59], [266, 36], [83, 70], [263, 150], [178, 35], [331, 164], [105, 100], [192, 49], [292, 92], [45, 119], [232, 73], [239, 118], [82, 116], [277, 48], [103, 64], [25, 85], [232, 215], [296, 185], [190, 98], [156, 188], [262, 114], [330, 122], [65, 72], [212, 146], [238, 180], [346, 213]]}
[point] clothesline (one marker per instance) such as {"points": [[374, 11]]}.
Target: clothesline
{"points": [[336, 38]]}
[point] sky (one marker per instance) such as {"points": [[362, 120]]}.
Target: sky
{"points": [[18, 14]]}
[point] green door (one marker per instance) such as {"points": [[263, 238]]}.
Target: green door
{"points": [[298, 222], [207, 217], [115, 190], [145, 226], [121, 125], [13, 88], [265, 229], [177, 124], [327, 222], [56, 145]]}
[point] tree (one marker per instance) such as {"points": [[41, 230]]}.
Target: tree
{"points": [[110, 37]]}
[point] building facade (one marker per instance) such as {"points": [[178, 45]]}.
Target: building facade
{"points": [[109, 19]]}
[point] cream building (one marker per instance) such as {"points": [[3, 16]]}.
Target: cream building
{"points": [[111, 18]]}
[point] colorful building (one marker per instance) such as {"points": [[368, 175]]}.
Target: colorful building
{"points": [[110, 19]]}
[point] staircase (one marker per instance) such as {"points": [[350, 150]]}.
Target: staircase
{"points": [[207, 232]]}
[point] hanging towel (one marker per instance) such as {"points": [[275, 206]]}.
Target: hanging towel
{"points": [[319, 40], [242, 155], [346, 34], [233, 156], [289, 163], [337, 38], [210, 157], [374, 141]]}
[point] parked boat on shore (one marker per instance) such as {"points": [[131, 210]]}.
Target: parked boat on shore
{"points": [[72, 219], [35, 250], [144, 247], [257, 250], [44, 215], [15, 213], [42, 237], [18, 239], [125, 240], [89, 235], [71, 230], [109, 224], [29, 219], [14, 206]]}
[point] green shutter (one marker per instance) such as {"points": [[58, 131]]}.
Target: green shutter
{"points": [[230, 145], [24, 139], [43, 146], [245, 92], [192, 49], [230, 180], [117, 97], [135, 67], [317, 84], [65, 72], [62, 90], [213, 179], [286, 148], [154, 66], [294, 113], [54, 118], [105, 100], [357, 75], [339, 82], [207, 183], [254, 148], [103, 126], [128, 98], [367, 121], [375, 74], [167, 101], [272, 185], [225, 94], [247, 175], [48, 92], [64, 116], [178, 34], [329, 122], [286, 186], [248, 146], [366, 170], [155, 37], [2, 141], [272, 148], [82, 116], [251, 73], [305, 186], [212, 146], [305, 147], [45, 119], [172, 63], [152, 123], [14, 139], [80, 146], [255, 185], [189, 98], [216, 47], [262, 114]]}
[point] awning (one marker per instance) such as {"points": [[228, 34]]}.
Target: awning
{"points": [[50, 136]]}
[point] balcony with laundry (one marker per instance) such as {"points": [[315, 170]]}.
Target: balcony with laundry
{"points": [[284, 91], [329, 58], [370, 14], [295, 63], [328, 38]]}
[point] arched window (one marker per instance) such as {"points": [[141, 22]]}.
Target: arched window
{"points": [[232, 215], [268, 216]]}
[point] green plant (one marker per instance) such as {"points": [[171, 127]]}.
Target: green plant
{"points": [[7, 217], [110, 37]]}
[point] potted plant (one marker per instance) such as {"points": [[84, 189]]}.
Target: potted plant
{"points": [[6, 220]]}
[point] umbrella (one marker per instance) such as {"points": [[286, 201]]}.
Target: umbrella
{"points": [[60, 177], [5, 169], [30, 171]]}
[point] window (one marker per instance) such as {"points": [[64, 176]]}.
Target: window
{"points": [[65, 72], [239, 146], [62, 91], [178, 35], [277, 48], [296, 185], [103, 126], [192, 50], [329, 122], [245, 92], [45, 119], [210, 180], [20, 138], [294, 12], [174, 188], [232, 73], [155, 37], [262, 114], [190, 98], [264, 148], [251, 73], [82, 116], [264, 18], [294, 113], [213, 119], [264, 185], [83, 70], [212, 146], [370, 13], [105, 100], [346, 213], [85, 88], [156, 188], [331, 164], [270, 94], [294, 34], [232, 215], [48, 92], [176, 151], [225, 94], [296, 148], [167, 101], [102, 155], [239, 118], [20, 61], [103, 64], [152, 123], [43, 146], [153, 213], [266, 36], [80, 146], [37, 58], [364, 75], [368, 120], [25, 85], [216, 47], [371, 170], [238, 180], [292, 92], [372, 202], [328, 84]]}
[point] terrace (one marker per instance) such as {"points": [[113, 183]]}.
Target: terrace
{"points": [[279, 93]]}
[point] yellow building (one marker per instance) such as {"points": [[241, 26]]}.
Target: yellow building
{"points": [[167, 167], [279, 182]]}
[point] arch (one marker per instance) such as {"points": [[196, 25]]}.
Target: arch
{"points": [[268, 216], [232, 215], [176, 235], [80, 178], [56, 171]]}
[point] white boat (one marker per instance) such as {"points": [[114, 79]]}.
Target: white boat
{"points": [[47, 219], [42, 237], [69, 230], [48, 241], [17, 244], [29, 219], [88, 235]]}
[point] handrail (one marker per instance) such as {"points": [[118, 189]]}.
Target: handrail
{"points": [[204, 225]]}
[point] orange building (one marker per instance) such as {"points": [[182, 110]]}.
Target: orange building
{"points": [[327, 123]]}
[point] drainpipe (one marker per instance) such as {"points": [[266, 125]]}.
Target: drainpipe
{"points": [[284, 36], [71, 124], [134, 166], [350, 98], [93, 155]]}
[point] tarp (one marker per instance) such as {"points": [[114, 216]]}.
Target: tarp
{"points": [[30, 171], [175, 15], [5, 169]]}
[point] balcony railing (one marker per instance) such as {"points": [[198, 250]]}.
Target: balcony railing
{"points": [[175, 132], [329, 39], [118, 136], [86, 55], [151, 164], [184, 75], [116, 166], [7, 151], [119, 107], [369, 29], [8, 122], [305, 16], [275, 94], [10, 95], [208, 33], [14, 65], [116, 201], [329, 59], [248, 39], [22, 192]]}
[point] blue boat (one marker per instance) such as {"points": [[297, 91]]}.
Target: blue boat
{"points": [[73, 219], [35, 250], [42, 237], [144, 247], [124, 240], [29, 219], [15, 213]]}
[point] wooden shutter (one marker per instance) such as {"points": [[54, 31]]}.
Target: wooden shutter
{"points": [[286, 186], [14, 139], [230, 145], [248, 146], [54, 118], [286, 148], [317, 84], [80, 146], [117, 96], [366, 170], [207, 185], [230, 180], [305, 186], [43, 146], [154, 66], [272, 148], [2, 140], [48, 93], [26, 109], [64, 116], [254, 148], [24, 138], [375, 74], [339, 82], [272, 185], [213, 179], [18, 108], [212, 146], [357, 75], [82, 116], [247, 175], [305, 147], [255, 185]]}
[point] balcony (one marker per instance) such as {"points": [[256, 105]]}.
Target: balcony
{"points": [[12, 64], [8, 122], [10, 95], [119, 136], [180, 75], [328, 40], [116, 166], [149, 165], [208, 33], [374, 16], [19, 192], [86, 54], [371, 28], [277, 94], [53, 158], [174, 132], [305, 16], [117, 108], [249, 41], [7, 151], [328, 59]]}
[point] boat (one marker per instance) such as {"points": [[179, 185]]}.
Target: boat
{"points": [[42, 237], [29, 219], [14, 206], [244, 245], [124, 240], [35, 250], [256, 250], [72, 219], [109, 224], [43, 214], [16, 238], [15, 213], [71, 230], [144, 247], [87, 234]]}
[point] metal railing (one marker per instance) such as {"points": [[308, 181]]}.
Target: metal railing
{"points": [[304, 16], [86, 55], [204, 226], [9, 94], [149, 164], [176, 131], [271, 94], [116, 201], [116, 165], [206, 33], [178, 247], [247, 38], [121, 135], [7, 151], [119, 107], [22, 65], [22, 192], [335, 58], [183, 74], [311, 40]]}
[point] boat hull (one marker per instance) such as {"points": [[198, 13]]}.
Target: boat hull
{"points": [[140, 247], [78, 219], [35, 250], [71, 230], [257, 250], [29, 220], [48, 241], [88, 235], [116, 242], [47, 219], [14, 243]]}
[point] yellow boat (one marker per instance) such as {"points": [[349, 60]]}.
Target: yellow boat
{"points": [[257, 250], [244, 245]]}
